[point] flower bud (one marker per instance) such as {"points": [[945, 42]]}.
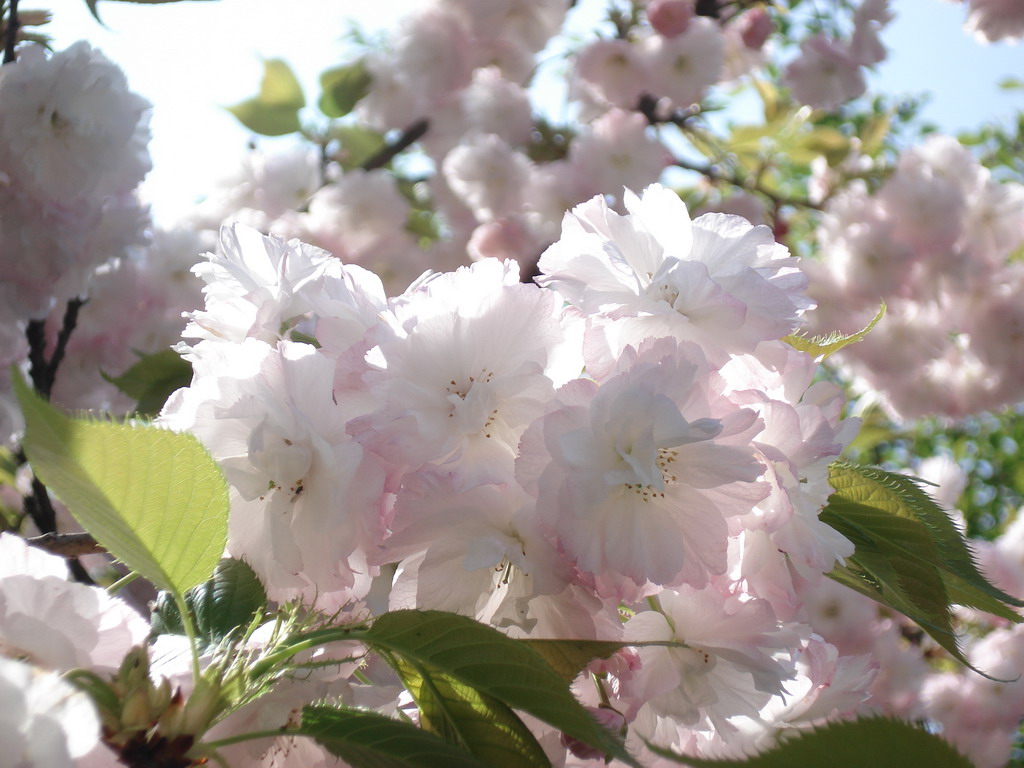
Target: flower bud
{"points": [[755, 28], [670, 18], [609, 719]]}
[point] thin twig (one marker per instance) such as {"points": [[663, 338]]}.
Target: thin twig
{"points": [[38, 371], [42, 371], [67, 544], [70, 321], [409, 136], [648, 107], [712, 173], [40, 508], [13, 25]]}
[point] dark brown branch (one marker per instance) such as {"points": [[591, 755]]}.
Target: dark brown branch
{"points": [[40, 508], [13, 25], [648, 107], [70, 321], [409, 136], [713, 173], [42, 371], [67, 544]]}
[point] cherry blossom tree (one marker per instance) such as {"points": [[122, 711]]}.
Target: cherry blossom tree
{"points": [[455, 433]]}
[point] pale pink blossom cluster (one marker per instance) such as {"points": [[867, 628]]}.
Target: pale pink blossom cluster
{"points": [[937, 243], [463, 70], [828, 72], [49, 625], [982, 715], [991, 21], [73, 147], [629, 435]]}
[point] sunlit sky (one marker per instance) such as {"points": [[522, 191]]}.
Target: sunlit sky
{"points": [[193, 58]]}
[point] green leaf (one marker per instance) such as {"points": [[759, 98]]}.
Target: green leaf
{"points": [[153, 378], [8, 467], [874, 133], [280, 87], [877, 742], [909, 554], [467, 718], [569, 657], [823, 140], [155, 499], [1011, 84], [343, 87], [368, 740], [820, 347], [769, 94], [265, 120], [901, 495], [495, 665], [218, 606], [275, 111]]}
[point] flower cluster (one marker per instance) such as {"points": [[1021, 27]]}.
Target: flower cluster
{"points": [[935, 242], [633, 433], [490, 172], [73, 149]]}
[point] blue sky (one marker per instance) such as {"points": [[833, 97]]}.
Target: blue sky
{"points": [[192, 58]]}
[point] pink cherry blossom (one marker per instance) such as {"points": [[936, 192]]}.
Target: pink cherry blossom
{"points": [[462, 366], [45, 722], [305, 498], [717, 281], [56, 623], [728, 669], [635, 478], [825, 74]]}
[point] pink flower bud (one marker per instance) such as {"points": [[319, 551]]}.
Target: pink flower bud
{"points": [[755, 27], [670, 18], [609, 719]]}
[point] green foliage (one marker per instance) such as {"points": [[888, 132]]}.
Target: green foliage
{"points": [[464, 652], [789, 134], [8, 467], [986, 446], [569, 657], [368, 740], [909, 555], [155, 499], [877, 742], [999, 147], [820, 347], [275, 111], [343, 87], [469, 719], [219, 606], [153, 378]]}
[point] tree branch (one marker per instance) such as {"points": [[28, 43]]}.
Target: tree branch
{"points": [[43, 371], [712, 173], [409, 136], [67, 544], [13, 25]]}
